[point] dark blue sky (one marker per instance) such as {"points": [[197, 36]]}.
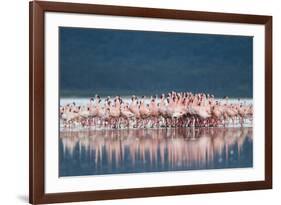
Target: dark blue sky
{"points": [[121, 62]]}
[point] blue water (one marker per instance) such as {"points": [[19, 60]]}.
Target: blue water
{"points": [[153, 150]]}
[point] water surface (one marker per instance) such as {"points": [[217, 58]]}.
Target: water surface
{"points": [[97, 152]]}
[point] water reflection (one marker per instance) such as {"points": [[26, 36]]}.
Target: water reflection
{"points": [[150, 150]]}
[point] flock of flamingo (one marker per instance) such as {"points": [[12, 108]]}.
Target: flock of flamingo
{"points": [[175, 109]]}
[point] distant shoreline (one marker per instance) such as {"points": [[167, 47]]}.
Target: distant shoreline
{"points": [[129, 96]]}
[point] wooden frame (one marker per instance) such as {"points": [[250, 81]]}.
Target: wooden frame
{"points": [[36, 106]]}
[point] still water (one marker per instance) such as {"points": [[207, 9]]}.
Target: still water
{"points": [[97, 152]]}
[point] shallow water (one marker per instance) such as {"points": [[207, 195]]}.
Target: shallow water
{"points": [[97, 152]]}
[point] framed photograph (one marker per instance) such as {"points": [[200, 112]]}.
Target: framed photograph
{"points": [[139, 102]]}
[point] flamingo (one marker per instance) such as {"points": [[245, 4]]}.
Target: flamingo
{"points": [[126, 113], [114, 111], [144, 111], [154, 111]]}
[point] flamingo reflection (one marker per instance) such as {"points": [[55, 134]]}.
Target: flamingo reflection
{"points": [[167, 149]]}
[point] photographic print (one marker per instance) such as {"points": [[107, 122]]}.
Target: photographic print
{"points": [[130, 102], [148, 101]]}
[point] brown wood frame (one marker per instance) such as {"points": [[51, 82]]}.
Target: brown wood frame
{"points": [[36, 107]]}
